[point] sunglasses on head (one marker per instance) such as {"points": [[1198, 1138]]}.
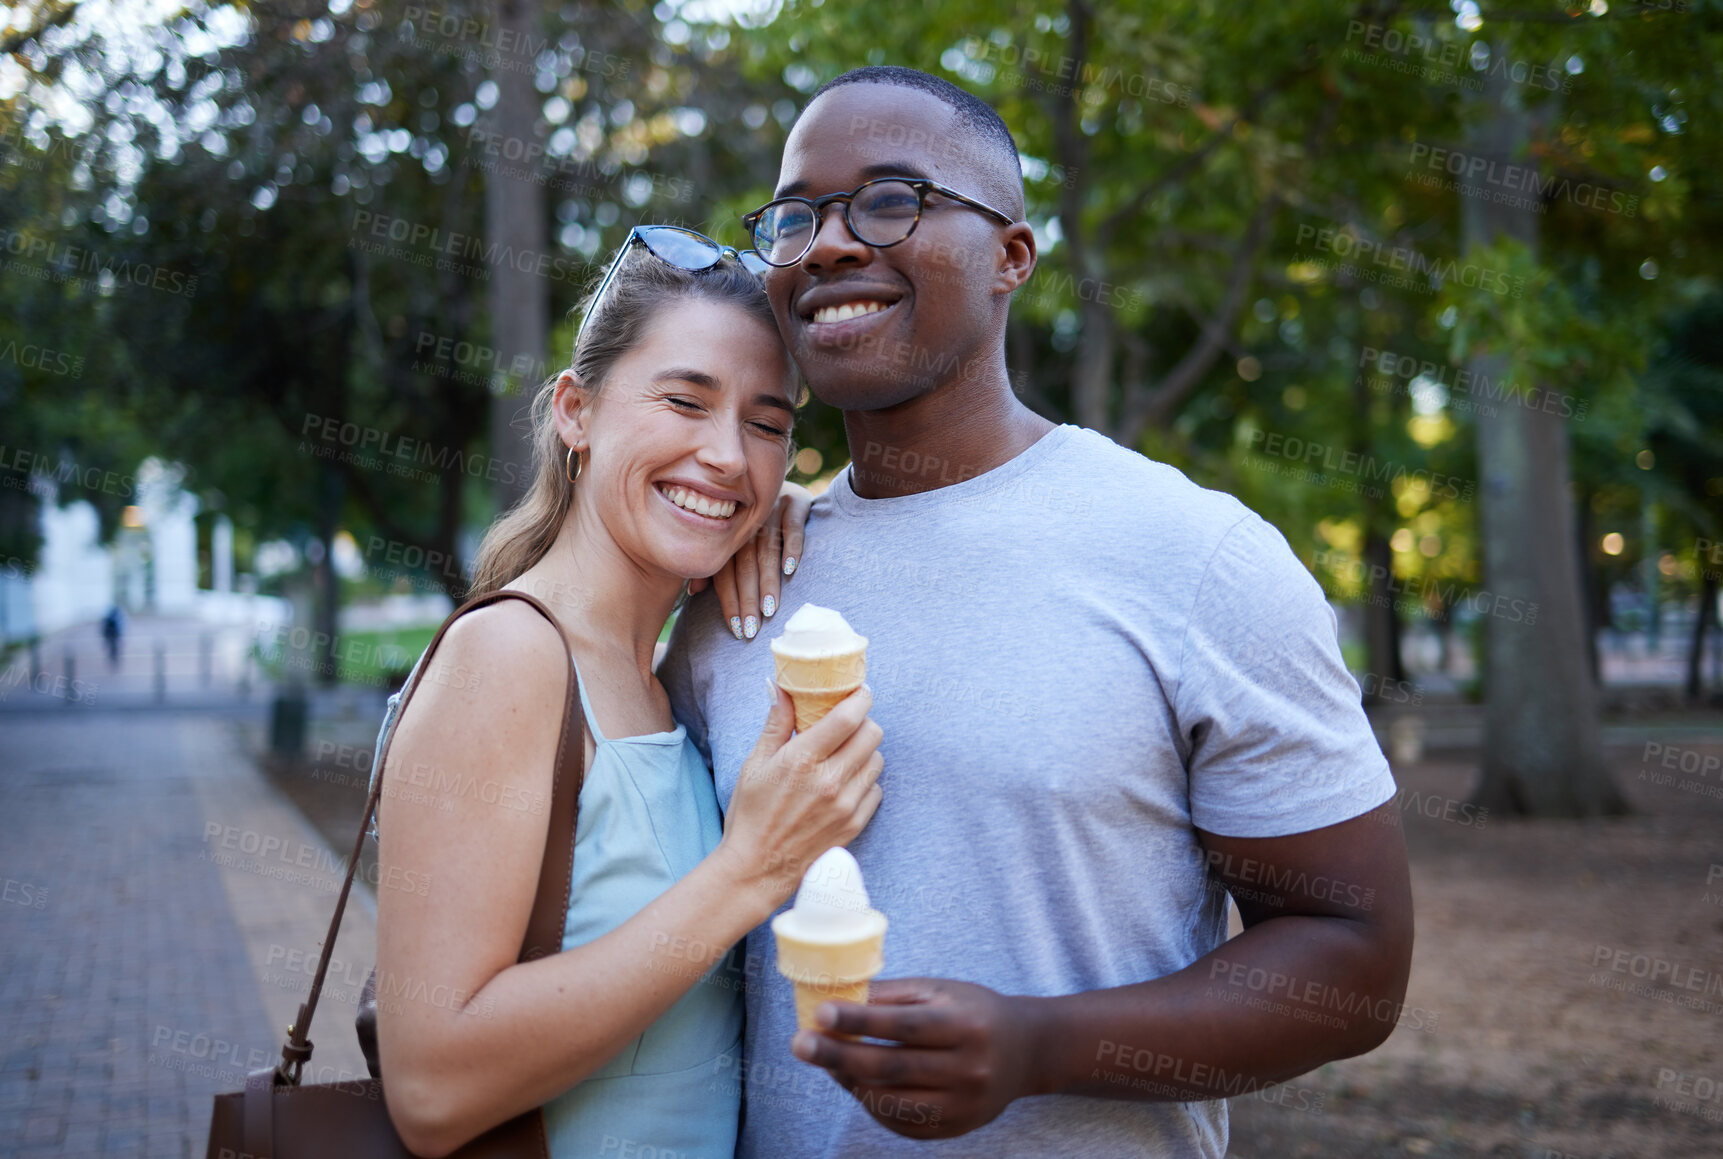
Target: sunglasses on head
{"points": [[683, 248]]}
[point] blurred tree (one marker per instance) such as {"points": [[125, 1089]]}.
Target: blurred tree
{"points": [[310, 177], [1685, 437], [1181, 163], [61, 436], [1557, 188], [213, 160], [1543, 742], [1247, 237], [515, 220]]}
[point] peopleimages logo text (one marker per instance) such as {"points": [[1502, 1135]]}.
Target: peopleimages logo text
{"points": [[399, 452], [31, 356], [1435, 271], [34, 464], [1443, 57], [1407, 368], [1470, 168], [59, 261], [471, 247], [1426, 589], [1340, 460]]}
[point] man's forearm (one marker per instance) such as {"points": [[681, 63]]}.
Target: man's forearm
{"points": [[1280, 999], [1318, 974]]}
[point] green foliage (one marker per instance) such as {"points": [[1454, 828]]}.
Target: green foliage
{"points": [[1228, 204], [377, 659], [1153, 134]]}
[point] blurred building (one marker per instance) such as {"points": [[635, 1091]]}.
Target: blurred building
{"points": [[150, 567]]}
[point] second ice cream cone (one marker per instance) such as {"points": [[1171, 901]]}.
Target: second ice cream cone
{"points": [[809, 997], [825, 969], [831, 941]]}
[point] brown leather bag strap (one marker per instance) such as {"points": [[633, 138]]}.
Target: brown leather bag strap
{"points": [[544, 928], [550, 902]]}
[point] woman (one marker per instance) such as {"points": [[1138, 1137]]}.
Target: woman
{"points": [[659, 456]]}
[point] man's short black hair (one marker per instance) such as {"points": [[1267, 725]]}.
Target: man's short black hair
{"points": [[973, 113]]}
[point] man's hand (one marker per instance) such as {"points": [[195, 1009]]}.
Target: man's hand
{"points": [[1331, 908], [962, 1053]]}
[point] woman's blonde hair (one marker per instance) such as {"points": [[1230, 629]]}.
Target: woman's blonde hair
{"points": [[644, 284]]}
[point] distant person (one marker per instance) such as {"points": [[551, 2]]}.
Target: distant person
{"points": [[660, 455], [113, 627], [1110, 697]]}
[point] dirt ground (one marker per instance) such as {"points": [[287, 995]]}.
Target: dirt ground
{"points": [[1546, 1042], [1524, 1034]]}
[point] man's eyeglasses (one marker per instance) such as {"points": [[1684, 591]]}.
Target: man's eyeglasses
{"points": [[680, 247], [882, 213]]}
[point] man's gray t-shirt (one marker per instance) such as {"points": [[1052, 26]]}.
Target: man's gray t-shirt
{"points": [[1078, 658]]}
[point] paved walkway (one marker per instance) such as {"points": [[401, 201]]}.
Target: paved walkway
{"points": [[162, 910], [161, 658]]}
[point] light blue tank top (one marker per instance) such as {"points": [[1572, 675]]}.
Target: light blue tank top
{"points": [[648, 815]]}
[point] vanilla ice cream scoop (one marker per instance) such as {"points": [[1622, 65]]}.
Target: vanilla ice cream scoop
{"points": [[819, 659], [815, 632], [832, 902], [830, 942]]}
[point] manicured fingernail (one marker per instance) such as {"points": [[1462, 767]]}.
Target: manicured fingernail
{"points": [[772, 691], [768, 605], [789, 565], [826, 1015], [736, 626], [750, 626], [802, 1045]]}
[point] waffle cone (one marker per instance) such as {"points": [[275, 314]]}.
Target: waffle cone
{"points": [[828, 971], [811, 707], [816, 684], [809, 997]]}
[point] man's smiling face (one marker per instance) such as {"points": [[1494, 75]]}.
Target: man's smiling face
{"points": [[872, 328]]}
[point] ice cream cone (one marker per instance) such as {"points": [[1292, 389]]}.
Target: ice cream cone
{"points": [[816, 685], [825, 968], [831, 941], [820, 660]]}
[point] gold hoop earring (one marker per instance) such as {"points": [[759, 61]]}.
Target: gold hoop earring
{"points": [[572, 467]]}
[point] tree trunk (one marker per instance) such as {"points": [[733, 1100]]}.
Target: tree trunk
{"points": [[325, 583], [1593, 593], [1381, 613], [1443, 619], [1696, 650], [1381, 619], [1543, 746], [1092, 373], [452, 577], [515, 227]]}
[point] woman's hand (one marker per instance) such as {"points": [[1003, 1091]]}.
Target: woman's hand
{"points": [[748, 582], [797, 797]]}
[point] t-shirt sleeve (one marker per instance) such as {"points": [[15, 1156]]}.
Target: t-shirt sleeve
{"points": [[676, 673], [1277, 738]]}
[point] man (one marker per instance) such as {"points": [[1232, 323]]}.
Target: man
{"points": [[1109, 698]]}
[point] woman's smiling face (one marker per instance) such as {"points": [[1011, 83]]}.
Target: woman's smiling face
{"points": [[686, 444]]}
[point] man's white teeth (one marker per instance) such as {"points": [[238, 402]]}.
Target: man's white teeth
{"points": [[695, 502], [847, 311]]}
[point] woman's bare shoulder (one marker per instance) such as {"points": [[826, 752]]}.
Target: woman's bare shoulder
{"points": [[496, 667], [508, 639]]}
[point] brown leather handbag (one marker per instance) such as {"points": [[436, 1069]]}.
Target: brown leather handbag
{"points": [[275, 1117]]}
